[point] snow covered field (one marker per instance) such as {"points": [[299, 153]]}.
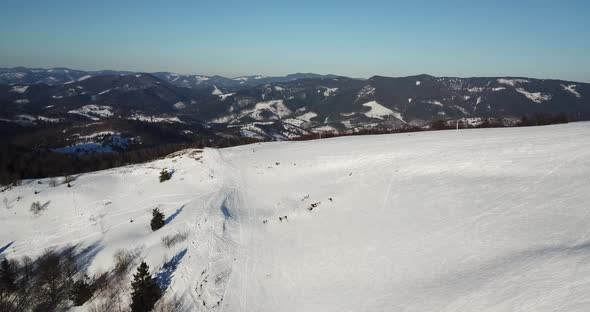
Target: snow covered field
{"points": [[468, 220]]}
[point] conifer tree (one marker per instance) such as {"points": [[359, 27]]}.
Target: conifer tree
{"points": [[157, 219], [145, 292], [165, 175], [81, 291], [7, 275]]}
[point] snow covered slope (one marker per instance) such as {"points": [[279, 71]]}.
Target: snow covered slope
{"points": [[468, 220]]}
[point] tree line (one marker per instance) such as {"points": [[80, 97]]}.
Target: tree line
{"points": [[17, 163]]}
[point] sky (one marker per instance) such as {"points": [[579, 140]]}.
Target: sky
{"points": [[530, 38]]}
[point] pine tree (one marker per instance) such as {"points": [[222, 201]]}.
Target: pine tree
{"points": [[81, 291], [165, 175], [7, 275], [145, 290], [157, 219]]}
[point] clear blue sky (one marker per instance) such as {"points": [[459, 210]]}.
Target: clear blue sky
{"points": [[537, 38]]}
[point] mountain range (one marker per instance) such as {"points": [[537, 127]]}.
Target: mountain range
{"points": [[276, 108]]}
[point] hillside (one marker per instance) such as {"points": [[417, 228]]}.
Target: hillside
{"points": [[466, 220]]}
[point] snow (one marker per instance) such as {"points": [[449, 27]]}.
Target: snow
{"points": [[48, 119], [179, 105], [201, 79], [84, 148], [93, 112], [22, 101], [223, 119], [366, 91], [325, 128], [379, 111], [301, 119], [472, 121], [96, 135], [104, 92], [307, 116], [252, 131], [84, 77], [330, 91], [434, 102], [475, 89], [498, 89], [25, 117], [461, 109], [418, 83], [19, 89], [467, 220], [269, 110], [243, 79], [216, 91], [536, 97], [100, 142], [571, 89], [409, 100], [512, 82], [275, 107], [155, 119], [224, 97], [294, 122]]}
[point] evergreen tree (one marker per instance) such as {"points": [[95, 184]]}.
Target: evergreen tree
{"points": [[81, 291], [157, 219], [7, 275], [7, 285], [165, 175], [145, 292]]}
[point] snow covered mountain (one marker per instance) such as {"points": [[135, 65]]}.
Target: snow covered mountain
{"points": [[152, 111], [59, 76], [51, 76], [292, 106], [467, 220]]}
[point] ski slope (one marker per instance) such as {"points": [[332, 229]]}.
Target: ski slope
{"points": [[467, 220]]}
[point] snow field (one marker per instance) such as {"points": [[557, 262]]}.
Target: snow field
{"points": [[466, 220]]}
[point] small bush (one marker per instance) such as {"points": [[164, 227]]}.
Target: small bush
{"points": [[69, 178], [171, 240], [36, 208], [165, 175], [53, 182], [124, 259], [157, 220], [6, 203]]}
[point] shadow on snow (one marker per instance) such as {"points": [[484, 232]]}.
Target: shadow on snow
{"points": [[164, 276], [3, 248], [174, 215]]}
